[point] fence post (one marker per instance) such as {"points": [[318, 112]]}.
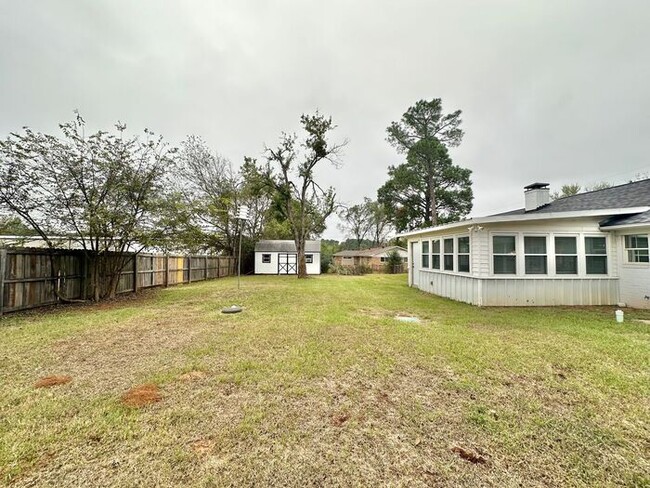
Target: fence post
{"points": [[135, 273], [206, 268], [3, 267], [218, 267], [84, 276], [166, 278], [189, 269]]}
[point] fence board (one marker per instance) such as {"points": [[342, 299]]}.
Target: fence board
{"points": [[27, 280]]}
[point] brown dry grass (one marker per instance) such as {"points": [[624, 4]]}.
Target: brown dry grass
{"points": [[54, 380], [142, 395]]}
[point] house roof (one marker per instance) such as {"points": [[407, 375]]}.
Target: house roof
{"points": [[285, 246], [367, 252], [622, 204]]}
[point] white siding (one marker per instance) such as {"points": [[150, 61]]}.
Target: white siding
{"points": [[272, 267], [635, 277], [482, 287]]}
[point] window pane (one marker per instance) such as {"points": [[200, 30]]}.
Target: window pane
{"points": [[503, 244], [596, 264], [565, 245], [425, 260], [266, 258], [309, 258], [595, 245], [637, 256], [505, 265], [535, 264], [463, 245], [566, 264], [449, 262], [435, 261], [425, 247], [436, 246], [636, 241], [449, 246], [534, 245], [463, 263]]}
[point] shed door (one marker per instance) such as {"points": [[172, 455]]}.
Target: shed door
{"points": [[414, 263], [287, 263]]}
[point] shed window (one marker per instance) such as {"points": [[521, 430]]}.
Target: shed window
{"points": [[435, 254], [636, 248], [596, 255], [425, 254], [463, 254], [449, 254], [535, 255], [266, 258], [504, 255], [309, 258], [566, 255]]}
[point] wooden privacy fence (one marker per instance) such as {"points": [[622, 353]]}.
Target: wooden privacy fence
{"points": [[27, 280]]}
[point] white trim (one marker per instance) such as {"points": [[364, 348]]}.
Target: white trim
{"points": [[529, 217], [624, 226]]}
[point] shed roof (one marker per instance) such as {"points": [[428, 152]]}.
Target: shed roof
{"points": [[285, 246]]}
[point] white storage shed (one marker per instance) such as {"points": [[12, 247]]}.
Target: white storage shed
{"points": [[280, 257]]}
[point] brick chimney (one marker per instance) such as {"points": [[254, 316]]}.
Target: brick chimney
{"points": [[537, 195]]}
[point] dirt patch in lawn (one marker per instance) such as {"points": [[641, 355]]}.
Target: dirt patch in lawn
{"points": [[54, 380], [202, 447], [141, 396]]}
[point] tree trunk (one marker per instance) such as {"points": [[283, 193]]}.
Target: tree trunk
{"points": [[432, 201], [302, 265]]}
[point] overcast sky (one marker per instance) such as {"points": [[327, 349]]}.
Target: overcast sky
{"points": [[553, 91]]}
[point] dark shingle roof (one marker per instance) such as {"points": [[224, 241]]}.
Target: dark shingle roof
{"points": [[641, 218], [635, 194], [285, 246]]}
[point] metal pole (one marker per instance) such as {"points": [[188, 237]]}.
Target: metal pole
{"points": [[239, 259]]}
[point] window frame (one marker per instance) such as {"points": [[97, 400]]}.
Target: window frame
{"points": [[587, 256], [515, 255], [451, 254], [576, 255], [546, 249], [435, 256], [309, 259], [266, 258], [468, 253], [628, 250], [425, 256]]}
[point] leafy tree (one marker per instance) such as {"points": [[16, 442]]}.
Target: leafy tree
{"points": [[356, 221], [328, 248], [289, 172], [380, 225], [428, 189], [101, 191], [574, 188], [424, 186], [394, 262]]}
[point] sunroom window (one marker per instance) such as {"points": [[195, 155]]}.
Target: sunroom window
{"points": [[463, 254], [566, 255], [435, 254], [425, 254], [636, 248], [535, 255], [596, 255], [449, 254], [504, 255]]}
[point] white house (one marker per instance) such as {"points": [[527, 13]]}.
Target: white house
{"points": [[586, 249], [280, 257]]}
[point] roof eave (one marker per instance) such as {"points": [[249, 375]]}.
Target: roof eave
{"points": [[527, 218]]}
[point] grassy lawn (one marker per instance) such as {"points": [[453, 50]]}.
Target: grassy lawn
{"points": [[316, 384]]}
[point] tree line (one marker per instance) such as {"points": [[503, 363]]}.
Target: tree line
{"points": [[116, 194]]}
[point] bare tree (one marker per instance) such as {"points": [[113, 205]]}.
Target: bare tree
{"points": [[356, 222]]}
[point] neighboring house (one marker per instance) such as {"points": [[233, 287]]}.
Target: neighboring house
{"points": [[280, 257], [374, 258], [586, 249]]}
